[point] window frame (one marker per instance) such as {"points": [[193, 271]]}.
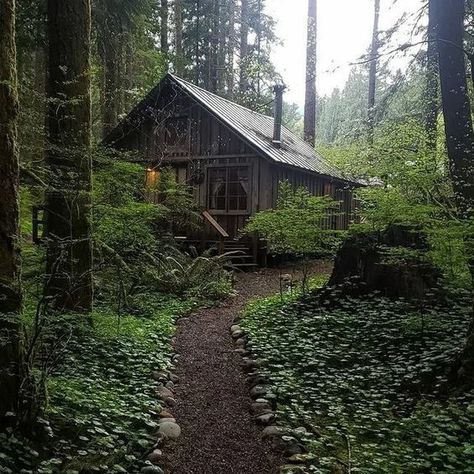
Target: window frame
{"points": [[227, 167]]}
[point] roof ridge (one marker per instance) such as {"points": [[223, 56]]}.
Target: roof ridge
{"points": [[173, 76]]}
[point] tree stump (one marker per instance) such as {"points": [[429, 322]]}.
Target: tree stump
{"points": [[393, 262]]}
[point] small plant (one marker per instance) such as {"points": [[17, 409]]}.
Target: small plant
{"points": [[297, 226]]}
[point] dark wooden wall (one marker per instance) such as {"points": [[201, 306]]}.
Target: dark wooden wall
{"points": [[212, 143]]}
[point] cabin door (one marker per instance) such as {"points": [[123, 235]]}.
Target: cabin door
{"points": [[228, 196]]}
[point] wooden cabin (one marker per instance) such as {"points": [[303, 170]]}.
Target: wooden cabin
{"points": [[231, 157]]}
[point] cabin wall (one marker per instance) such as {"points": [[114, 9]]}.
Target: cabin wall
{"points": [[209, 144], [341, 218]]}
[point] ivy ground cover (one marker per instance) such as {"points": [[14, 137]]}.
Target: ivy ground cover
{"points": [[101, 409], [366, 381]]}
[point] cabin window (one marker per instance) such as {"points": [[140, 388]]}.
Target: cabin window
{"points": [[228, 188], [177, 134]]}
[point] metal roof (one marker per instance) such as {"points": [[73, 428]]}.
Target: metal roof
{"points": [[254, 127], [257, 128]]}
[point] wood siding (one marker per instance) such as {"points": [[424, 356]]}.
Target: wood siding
{"points": [[212, 143]]}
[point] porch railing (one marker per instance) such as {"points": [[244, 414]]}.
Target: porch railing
{"points": [[218, 228]]}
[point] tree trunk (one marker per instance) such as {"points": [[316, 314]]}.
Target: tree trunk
{"points": [[10, 284], [231, 49], [178, 37], [197, 44], [432, 82], [110, 52], [244, 47], [374, 52], [164, 27], [68, 200], [311, 56], [214, 46], [459, 136]]}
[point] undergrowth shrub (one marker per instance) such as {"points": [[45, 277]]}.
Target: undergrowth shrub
{"points": [[366, 380]]}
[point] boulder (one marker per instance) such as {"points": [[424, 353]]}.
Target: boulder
{"points": [[170, 430]]}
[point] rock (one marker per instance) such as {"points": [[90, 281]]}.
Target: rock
{"points": [[167, 420], [164, 392], [266, 418], [235, 327], [260, 408], [237, 334], [174, 378], [152, 470], [249, 364], [159, 376], [297, 458], [155, 456], [292, 446], [240, 351], [170, 430], [169, 385], [169, 401], [273, 431], [256, 380], [166, 414], [240, 342], [258, 391]]}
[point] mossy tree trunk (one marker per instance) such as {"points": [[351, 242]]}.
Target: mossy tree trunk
{"points": [[450, 15], [68, 200], [10, 285]]}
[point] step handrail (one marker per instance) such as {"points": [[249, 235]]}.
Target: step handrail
{"points": [[217, 227]]}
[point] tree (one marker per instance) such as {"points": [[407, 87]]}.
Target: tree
{"points": [[244, 34], [68, 200], [374, 52], [178, 37], [230, 48], [10, 285], [459, 135], [164, 11], [114, 21], [432, 81], [311, 57], [297, 224]]}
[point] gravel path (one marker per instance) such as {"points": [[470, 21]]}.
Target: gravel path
{"points": [[218, 433]]}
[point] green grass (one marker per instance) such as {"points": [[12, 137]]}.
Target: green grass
{"points": [[355, 377]]}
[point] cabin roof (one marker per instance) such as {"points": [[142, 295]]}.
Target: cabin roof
{"points": [[254, 127]]}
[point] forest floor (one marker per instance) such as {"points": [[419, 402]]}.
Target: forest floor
{"points": [[213, 402]]}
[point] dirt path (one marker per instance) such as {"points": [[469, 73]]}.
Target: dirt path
{"points": [[218, 433]]}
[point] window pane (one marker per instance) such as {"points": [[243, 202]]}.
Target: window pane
{"points": [[243, 204], [233, 204], [228, 188]]}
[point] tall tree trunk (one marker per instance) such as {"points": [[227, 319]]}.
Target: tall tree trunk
{"points": [[459, 136], [231, 49], [68, 200], [178, 37], [432, 82], [244, 46], [110, 52], [214, 46], [10, 285], [222, 48], [374, 52], [311, 57], [197, 44], [164, 11]]}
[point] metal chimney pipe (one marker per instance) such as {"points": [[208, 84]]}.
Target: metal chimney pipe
{"points": [[278, 89]]}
